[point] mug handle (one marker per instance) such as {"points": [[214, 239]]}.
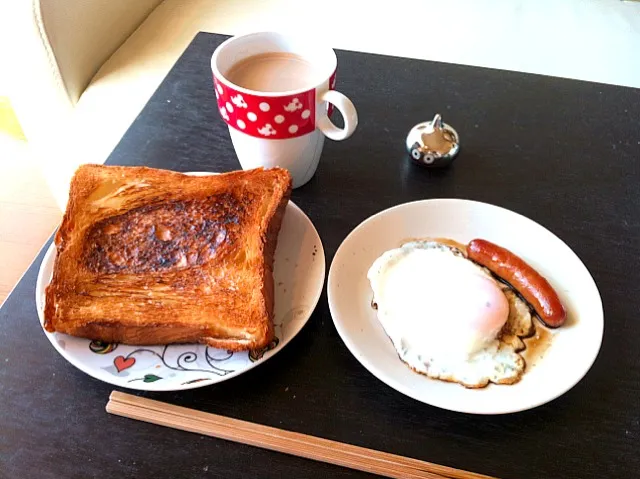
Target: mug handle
{"points": [[348, 112]]}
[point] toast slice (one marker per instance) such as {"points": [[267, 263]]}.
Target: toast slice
{"points": [[148, 256]]}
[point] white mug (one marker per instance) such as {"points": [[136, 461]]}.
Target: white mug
{"points": [[285, 129]]}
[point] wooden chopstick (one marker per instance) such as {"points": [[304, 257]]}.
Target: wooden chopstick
{"points": [[297, 444]]}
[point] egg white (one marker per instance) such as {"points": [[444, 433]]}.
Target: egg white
{"points": [[433, 346]]}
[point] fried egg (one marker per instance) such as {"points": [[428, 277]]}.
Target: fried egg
{"points": [[448, 317]]}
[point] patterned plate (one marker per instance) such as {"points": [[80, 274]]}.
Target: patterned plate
{"points": [[299, 271]]}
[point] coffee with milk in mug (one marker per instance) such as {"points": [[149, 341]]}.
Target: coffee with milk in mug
{"points": [[273, 72]]}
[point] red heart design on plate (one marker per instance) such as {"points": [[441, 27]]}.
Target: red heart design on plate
{"points": [[121, 363]]}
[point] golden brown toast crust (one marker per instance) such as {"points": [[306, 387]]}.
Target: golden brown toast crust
{"points": [[148, 256]]}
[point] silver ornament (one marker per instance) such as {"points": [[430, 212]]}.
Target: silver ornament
{"points": [[433, 143]]}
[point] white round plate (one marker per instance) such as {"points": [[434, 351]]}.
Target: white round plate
{"points": [[573, 347], [299, 270]]}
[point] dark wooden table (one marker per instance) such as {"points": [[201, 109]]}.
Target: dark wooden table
{"points": [[564, 153]]}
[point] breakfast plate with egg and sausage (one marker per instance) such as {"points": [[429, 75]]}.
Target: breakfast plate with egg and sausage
{"points": [[465, 306]]}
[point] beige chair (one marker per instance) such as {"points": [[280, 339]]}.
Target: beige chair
{"points": [[81, 70], [56, 47]]}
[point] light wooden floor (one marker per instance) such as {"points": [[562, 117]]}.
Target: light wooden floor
{"points": [[28, 212]]}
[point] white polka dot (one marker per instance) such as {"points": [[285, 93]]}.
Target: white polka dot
{"points": [[305, 114], [217, 94], [222, 109], [264, 106], [220, 90], [241, 124], [252, 116], [293, 128], [229, 107], [279, 118]]}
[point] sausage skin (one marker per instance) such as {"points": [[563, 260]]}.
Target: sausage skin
{"points": [[526, 280]]}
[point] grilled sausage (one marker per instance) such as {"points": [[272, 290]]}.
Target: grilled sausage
{"points": [[527, 281]]}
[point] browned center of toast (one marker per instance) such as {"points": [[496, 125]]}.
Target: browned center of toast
{"points": [[170, 235]]}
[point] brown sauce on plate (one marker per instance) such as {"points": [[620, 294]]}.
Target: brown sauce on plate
{"points": [[537, 345]]}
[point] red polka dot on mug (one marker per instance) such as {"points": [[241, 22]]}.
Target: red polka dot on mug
{"points": [[286, 116]]}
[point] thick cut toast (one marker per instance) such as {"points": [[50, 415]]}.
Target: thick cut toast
{"points": [[147, 256]]}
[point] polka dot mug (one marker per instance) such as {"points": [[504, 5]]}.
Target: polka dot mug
{"points": [[281, 128]]}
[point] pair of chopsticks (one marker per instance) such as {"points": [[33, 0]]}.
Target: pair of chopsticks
{"points": [[310, 447]]}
